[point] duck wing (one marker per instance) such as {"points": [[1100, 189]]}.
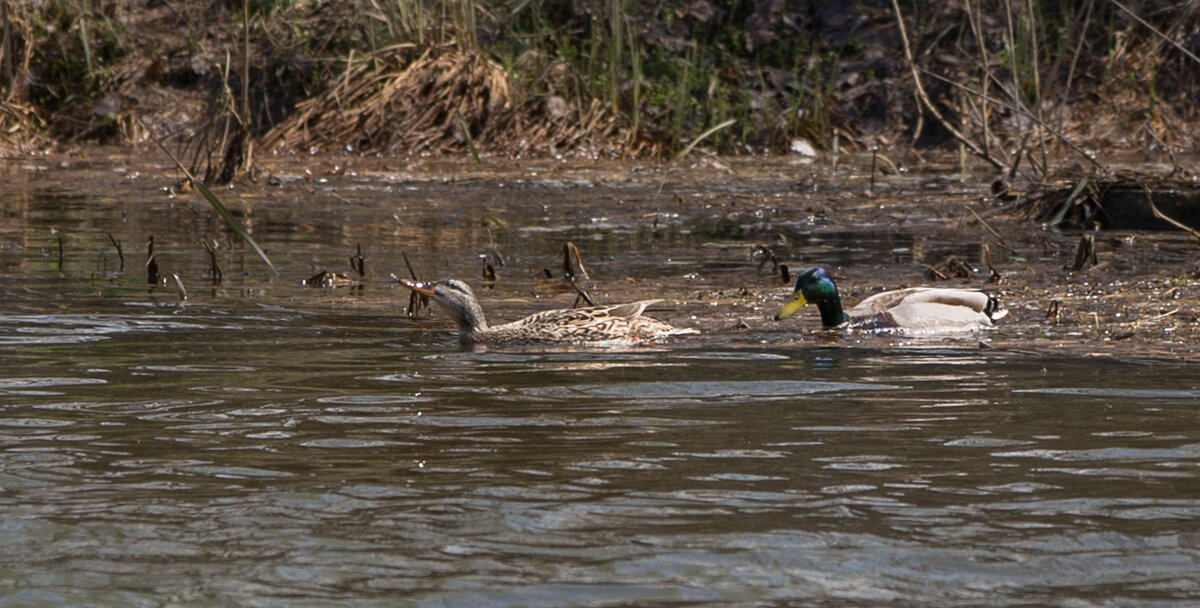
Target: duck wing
{"points": [[612, 324], [929, 308], [570, 316]]}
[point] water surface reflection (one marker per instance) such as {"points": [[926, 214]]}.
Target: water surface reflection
{"points": [[329, 465]]}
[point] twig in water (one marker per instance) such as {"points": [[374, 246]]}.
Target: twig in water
{"points": [[1053, 310], [179, 287], [359, 263], [581, 294], [60, 251], [1085, 253], [991, 230], [571, 260], [214, 267], [489, 271], [1166, 218], [412, 273], [987, 256], [415, 300]]}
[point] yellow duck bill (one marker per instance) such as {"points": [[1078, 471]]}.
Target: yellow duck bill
{"points": [[792, 307]]}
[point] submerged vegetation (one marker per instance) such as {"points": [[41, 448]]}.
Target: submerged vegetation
{"points": [[1005, 80]]}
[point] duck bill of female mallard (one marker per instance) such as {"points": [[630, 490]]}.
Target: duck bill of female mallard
{"points": [[421, 287], [793, 306]]}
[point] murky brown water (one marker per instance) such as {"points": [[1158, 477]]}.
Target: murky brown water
{"points": [[270, 444]]}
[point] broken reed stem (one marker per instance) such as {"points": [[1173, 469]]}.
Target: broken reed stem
{"points": [[152, 276], [60, 251], [179, 287], [120, 253], [1037, 82], [412, 273], [975, 17], [987, 256], [1085, 253], [214, 267], [916, 74], [359, 263], [572, 260], [581, 294]]}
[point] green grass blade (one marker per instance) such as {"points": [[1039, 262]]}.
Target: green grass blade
{"points": [[703, 135], [226, 215], [222, 210]]}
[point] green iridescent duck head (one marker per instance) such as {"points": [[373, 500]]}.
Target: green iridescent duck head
{"points": [[816, 286]]}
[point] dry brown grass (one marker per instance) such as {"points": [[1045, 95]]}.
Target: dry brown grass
{"points": [[18, 120], [447, 100]]}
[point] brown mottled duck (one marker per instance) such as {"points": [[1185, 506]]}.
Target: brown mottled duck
{"points": [[615, 325], [921, 309]]}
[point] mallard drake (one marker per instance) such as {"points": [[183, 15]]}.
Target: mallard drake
{"points": [[597, 326], [915, 308]]}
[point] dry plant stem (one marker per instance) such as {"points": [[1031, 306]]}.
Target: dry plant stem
{"points": [[1177, 46], [1166, 218], [1087, 20], [246, 64], [974, 16], [924, 98], [998, 102], [1037, 81], [1175, 168]]}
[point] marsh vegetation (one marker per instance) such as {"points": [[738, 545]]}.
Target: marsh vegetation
{"points": [[1010, 82]]}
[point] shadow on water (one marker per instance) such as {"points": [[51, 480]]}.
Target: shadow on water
{"points": [[272, 444]]}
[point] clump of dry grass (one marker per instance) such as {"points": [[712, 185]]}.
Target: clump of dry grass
{"points": [[18, 120], [446, 100]]}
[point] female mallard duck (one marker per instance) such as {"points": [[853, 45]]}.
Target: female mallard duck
{"points": [[597, 326], [915, 308]]}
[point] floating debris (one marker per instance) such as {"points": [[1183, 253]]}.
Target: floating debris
{"points": [[328, 280], [952, 267], [1143, 203]]}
